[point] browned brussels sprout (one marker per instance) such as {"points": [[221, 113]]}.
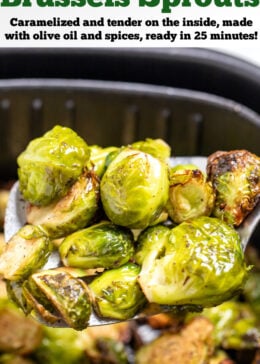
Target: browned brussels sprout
{"points": [[27, 251], [190, 195], [72, 212], [58, 298], [134, 189], [102, 245], [51, 164], [235, 176]]}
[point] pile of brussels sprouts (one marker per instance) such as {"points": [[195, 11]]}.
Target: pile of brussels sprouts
{"points": [[131, 232]]}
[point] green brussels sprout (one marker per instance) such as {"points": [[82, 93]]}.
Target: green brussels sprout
{"points": [[190, 195], [134, 189], [26, 252], [235, 325], [98, 158], [60, 345], [158, 148], [58, 298], [199, 262], [51, 164], [235, 176], [117, 293], [72, 212], [102, 245]]}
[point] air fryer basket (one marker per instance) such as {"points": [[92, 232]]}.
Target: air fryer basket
{"points": [[112, 113]]}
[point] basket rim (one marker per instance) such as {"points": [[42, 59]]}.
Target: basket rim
{"points": [[133, 89]]}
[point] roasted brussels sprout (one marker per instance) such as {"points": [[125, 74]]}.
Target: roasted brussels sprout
{"points": [[72, 212], [192, 345], [98, 158], [102, 245], [134, 189], [199, 262], [111, 351], [190, 195], [20, 335], [158, 148], [235, 176], [116, 292], [60, 345], [51, 164], [235, 325], [27, 251], [56, 297]]}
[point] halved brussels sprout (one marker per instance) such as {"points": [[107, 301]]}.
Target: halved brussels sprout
{"points": [[235, 176], [56, 296], [117, 293], [158, 148], [27, 251], [98, 158], [190, 195], [199, 262], [51, 164], [102, 245], [72, 212], [134, 189]]}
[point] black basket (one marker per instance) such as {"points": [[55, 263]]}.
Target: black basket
{"points": [[111, 113]]}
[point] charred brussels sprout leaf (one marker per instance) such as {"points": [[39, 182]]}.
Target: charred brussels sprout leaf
{"points": [[158, 148], [134, 189], [51, 164], [117, 293], [190, 195], [56, 296], [235, 176], [199, 262], [72, 212], [102, 245], [27, 251]]}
